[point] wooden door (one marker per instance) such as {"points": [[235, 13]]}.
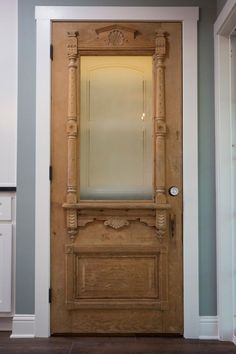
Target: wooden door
{"points": [[116, 231]]}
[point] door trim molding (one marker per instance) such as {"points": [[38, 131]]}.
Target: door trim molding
{"points": [[209, 327], [189, 17], [223, 28], [23, 326]]}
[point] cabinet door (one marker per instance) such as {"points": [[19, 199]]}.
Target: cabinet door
{"points": [[5, 267]]}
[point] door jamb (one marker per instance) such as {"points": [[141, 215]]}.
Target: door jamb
{"points": [[225, 24], [189, 17]]}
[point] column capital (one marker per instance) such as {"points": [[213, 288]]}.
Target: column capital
{"points": [[72, 44], [161, 46]]}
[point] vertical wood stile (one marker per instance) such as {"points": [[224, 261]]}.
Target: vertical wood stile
{"points": [[72, 132], [160, 130]]}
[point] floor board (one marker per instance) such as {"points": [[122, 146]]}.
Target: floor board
{"points": [[112, 345]]}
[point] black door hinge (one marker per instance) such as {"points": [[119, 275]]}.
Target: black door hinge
{"points": [[51, 51], [50, 173], [50, 295]]}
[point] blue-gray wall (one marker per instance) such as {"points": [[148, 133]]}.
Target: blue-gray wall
{"points": [[26, 147], [220, 5]]}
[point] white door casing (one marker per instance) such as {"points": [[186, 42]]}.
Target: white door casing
{"points": [[224, 26], [189, 17]]}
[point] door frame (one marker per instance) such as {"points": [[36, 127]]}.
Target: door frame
{"points": [[189, 18], [225, 218]]}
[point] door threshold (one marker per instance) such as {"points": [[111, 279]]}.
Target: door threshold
{"points": [[163, 335]]}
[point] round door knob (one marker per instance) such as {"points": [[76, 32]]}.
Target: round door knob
{"points": [[173, 191]]}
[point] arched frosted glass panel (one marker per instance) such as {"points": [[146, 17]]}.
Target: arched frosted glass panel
{"points": [[116, 146]]}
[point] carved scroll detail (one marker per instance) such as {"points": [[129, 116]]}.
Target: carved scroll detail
{"points": [[149, 221], [83, 222], [72, 133], [116, 222], [159, 115]]}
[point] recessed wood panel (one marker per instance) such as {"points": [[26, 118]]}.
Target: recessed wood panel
{"points": [[116, 277]]}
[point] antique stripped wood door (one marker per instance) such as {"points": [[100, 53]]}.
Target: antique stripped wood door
{"points": [[116, 231]]}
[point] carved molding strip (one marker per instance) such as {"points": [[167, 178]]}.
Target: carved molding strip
{"points": [[116, 222], [72, 133]]}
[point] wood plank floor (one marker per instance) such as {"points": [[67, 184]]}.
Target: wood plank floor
{"points": [[112, 345]]}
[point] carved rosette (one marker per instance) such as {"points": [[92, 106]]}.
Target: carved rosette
{"points": [[69, 249], [72, 133]]}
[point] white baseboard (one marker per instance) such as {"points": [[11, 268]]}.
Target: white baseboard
{"points": [[208, 327], [6, 324], [234, 340], [23, 326]]}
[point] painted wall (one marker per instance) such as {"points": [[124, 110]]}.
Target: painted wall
{"points": [[220, 5], [8, 92], [26, 147], [233, 119]]}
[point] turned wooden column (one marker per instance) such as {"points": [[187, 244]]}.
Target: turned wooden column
{"points": [[160, 130], [72, 133]]}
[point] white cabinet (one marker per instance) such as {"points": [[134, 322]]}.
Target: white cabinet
{"points": [[7, 203], [5, 267], [5, 209]]}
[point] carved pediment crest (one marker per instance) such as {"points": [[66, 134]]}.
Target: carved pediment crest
{"points": [[116, 35]]}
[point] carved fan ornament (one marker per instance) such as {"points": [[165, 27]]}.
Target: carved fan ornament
{"points": [[117, 35], [116, 222]]}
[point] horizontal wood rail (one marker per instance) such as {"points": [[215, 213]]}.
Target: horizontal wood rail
{"points": [[115, 205]]}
